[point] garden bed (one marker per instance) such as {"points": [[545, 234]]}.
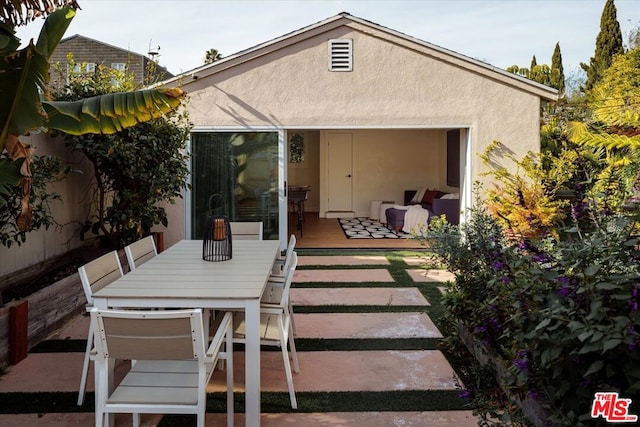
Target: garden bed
{"points": [[53, 294], [534, 412]]}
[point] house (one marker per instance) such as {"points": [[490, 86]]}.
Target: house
{"points": [[88, 53], [355, 110]]}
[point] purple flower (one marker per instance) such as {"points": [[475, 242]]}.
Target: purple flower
{"points": [[498, 265], [540, 258], [564, 291], [465, 394], [533, 394], [521, 361], [495, 325], [574, 213], [504, 280]]}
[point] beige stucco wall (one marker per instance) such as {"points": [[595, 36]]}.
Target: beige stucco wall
{"points": [[387, 162], [69, 213], [392, 85], [400, 92], [308, 172]]}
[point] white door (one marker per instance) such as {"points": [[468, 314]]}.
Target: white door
{"points": [[339, 159]]}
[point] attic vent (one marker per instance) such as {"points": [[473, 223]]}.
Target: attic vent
{"points": [[341, 55]]}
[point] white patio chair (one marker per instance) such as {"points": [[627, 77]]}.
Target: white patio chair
{"points": [[280, 266], [140, 251], [95, 275], [246, 230], [172, 366], [275, 324]]}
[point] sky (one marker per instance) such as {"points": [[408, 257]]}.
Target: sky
{"points": [[499, 32]]}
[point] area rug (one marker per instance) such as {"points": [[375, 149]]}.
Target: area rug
{"points": [[365, 228]]}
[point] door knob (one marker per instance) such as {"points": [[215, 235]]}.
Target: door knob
{"points": [[349, 176]]}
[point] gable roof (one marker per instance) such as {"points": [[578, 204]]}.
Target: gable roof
{"points": [[345, 19], [130, 53], [81, 37]]}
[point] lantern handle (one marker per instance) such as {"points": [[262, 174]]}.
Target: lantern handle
{"points": [[222, 204]]}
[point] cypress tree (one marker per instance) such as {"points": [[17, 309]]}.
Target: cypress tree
{"points": [[608, 44], [557, 70], [534, 62]]}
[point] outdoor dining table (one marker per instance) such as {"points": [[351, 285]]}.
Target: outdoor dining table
{"points": [[180, 278]]}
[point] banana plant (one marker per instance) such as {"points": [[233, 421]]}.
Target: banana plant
{"points": [[24, 75]]}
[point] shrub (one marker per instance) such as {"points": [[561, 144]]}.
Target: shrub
{"points": [[560, 314]]}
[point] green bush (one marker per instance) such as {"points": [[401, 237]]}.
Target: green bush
{"points": [[560, 314]]}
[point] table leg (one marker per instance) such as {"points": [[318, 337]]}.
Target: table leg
{"points": [[252, 363], [300, 216]]}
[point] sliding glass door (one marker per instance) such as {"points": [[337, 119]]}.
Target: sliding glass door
{"points": [[243, 168]]}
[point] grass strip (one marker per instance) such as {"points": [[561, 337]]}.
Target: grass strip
{"points": [[272, 402], [60, 346], [302, 344], [356, 344], [275, 402]]}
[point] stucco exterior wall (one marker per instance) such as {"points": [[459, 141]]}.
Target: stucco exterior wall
{"points": [[387, 162], [391, 85], [308, 172], [70, 212]]}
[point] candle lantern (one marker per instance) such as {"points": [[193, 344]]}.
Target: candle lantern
{"points": [[216, 243]]}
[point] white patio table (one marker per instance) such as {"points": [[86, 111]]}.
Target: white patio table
{"points": [[180, 278]]}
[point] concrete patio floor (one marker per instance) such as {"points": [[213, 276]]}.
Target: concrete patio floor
{"points": [[323, 371]]}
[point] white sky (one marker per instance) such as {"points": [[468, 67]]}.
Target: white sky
{"points": [[500, 32]]}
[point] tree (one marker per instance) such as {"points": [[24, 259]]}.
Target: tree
{"points": [[534, 63], [211, 55], [134, 169], [16, 14], [615, 106], [23, 107], [608, 44], [539, 73], [557, 69]]}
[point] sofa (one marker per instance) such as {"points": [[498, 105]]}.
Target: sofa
{"points": [[436, 202]]}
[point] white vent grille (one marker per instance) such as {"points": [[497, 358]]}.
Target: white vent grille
{"points": [[340, 55]]}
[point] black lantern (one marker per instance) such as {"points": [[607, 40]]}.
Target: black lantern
{"points": [[216, 243]]}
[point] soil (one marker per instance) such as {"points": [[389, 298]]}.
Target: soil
{"points": [[22, 290], [68, 267]]}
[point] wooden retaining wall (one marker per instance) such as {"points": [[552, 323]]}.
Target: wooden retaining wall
{"points": [[49, 308]]}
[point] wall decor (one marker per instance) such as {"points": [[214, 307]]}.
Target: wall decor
{"points": [[296, 148]]}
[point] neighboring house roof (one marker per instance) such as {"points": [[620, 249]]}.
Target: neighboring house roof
{"points": [[344, 18], [86, 49]]}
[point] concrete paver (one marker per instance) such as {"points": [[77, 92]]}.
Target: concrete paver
{"points": [[380, 370], [357, 296], [314, 419], [366, 325], [343, 260], [441, 276], [369, 275]]}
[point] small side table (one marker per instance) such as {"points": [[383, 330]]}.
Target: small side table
{"points": [[374, 209], [386, 204]]}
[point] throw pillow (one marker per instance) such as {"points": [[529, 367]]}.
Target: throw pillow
{"points": [[429, 195], [419, 194], [451, 196]]}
